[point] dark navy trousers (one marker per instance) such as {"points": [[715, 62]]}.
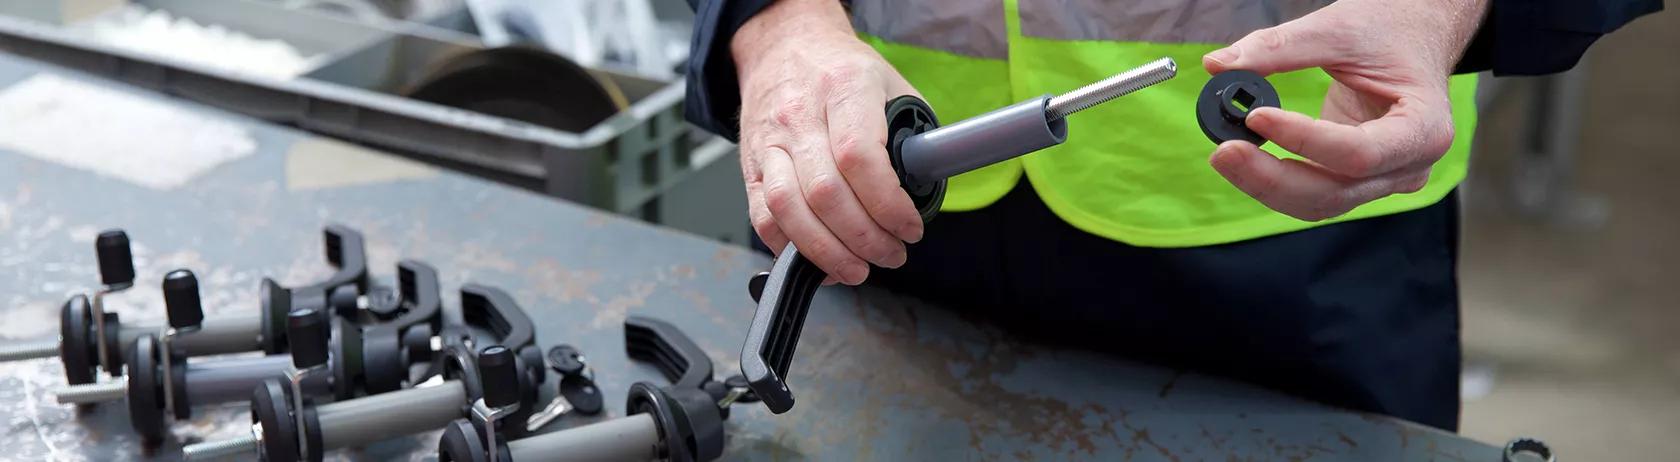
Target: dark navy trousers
{"points": [[1362, 314]]}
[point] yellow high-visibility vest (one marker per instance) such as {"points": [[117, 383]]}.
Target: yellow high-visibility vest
{"points": [[1134, 170]]}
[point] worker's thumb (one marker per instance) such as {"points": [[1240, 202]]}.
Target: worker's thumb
{"points": [[1294, 45]]}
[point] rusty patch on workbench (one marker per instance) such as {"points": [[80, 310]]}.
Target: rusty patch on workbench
{"points": [[926, 381], [475, 255], [614, 310], [725, 262], [699, 302], [564, 285]]}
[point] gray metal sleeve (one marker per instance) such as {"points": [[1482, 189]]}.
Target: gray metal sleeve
{"points": [[231, 380], [218, 335], [360, 421], [986, 139], [223, 334], [634, 437]]}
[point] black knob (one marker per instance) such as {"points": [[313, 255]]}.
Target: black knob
{"points": [[384, 302], [180, 299], [116, 262], [343, 300], [417, 343], [307, 331], [499, 376]]}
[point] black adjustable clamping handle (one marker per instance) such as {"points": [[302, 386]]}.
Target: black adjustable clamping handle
{"points": [[687, 422], [668, 348], [347, 252], [389, 348], [494, 310], [785, 293]]}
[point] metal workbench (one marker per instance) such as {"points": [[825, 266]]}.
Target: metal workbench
{"points": [[884, 377]]}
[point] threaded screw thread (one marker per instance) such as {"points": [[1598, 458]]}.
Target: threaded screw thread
{"points": [[244, 445], [17, 351], [92, 393], [1115, 86]]}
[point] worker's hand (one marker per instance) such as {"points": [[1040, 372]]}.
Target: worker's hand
{"points": [[813, 140], [1386, 119]]}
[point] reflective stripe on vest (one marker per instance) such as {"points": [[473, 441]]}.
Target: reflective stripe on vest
{"points": [[1134, 170], [1158, 21]]}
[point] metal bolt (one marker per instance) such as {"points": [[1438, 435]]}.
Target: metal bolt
{"points": [[92, 393], [15, 351], [1113, 87], [241, 446]]}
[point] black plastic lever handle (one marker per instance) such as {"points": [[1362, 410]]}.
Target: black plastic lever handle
{"points": [[666, 346], [494, 309], [389, 348], [782, 305], [346, 251], [784, 297], [421, 296]]}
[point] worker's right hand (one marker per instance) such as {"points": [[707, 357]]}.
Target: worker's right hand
{"points": [[813, 140]]}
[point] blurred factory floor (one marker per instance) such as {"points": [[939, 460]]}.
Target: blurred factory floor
{"points": [[1576, 326]]}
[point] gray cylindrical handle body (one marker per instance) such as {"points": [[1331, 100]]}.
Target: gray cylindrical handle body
{"points": [[361, 421], [223, 334], [219, 335], [634, 437], [989, 138], [231, 380]]}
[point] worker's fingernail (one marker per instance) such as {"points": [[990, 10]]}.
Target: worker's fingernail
{"points": [[853, 273], [894, 260], [1225, 56], [1227, 156], [911, 233]]}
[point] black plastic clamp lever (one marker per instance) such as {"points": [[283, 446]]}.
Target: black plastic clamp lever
{"points": [[346, 251], [784, 294]]}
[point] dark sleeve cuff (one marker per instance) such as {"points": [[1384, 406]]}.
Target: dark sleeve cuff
{"points": [[714, 92], [1536, 37]]}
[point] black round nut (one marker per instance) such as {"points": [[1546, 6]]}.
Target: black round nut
{"points": [[180, 299], [307, 330], [1223, 106], [499, 375], [116, 261], [76, 347], [384, 302], [343, 300]]}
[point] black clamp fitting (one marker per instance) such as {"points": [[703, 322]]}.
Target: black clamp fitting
{"points": [[379, 350], [116, 274], [157, 381], [688, 414], [784, 294], [280, 415], [346, 251], [290, 429], [364, 359], [89, 336]]}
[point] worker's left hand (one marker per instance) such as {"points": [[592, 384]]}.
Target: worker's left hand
{"points": [[1386, 119]]}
